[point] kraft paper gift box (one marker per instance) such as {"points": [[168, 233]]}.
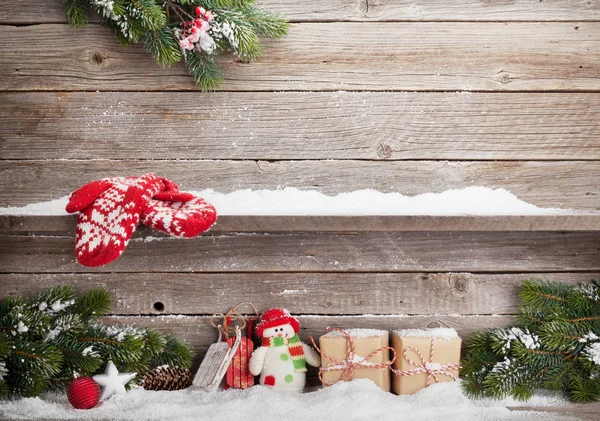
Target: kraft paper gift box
{"points": [[366, 341], [422, 370]]}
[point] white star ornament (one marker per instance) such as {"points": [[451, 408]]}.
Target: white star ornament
{"points": [[112, 381]]}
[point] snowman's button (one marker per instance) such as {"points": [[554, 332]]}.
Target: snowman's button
{"points": [[284, 356], [289, 378]]}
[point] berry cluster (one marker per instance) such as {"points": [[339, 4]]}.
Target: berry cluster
{"points": [[193, 31]]}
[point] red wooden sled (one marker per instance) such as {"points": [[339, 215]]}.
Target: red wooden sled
{"points": [[238, 373]]}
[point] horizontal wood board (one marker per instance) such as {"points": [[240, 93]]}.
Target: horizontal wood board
{"points": [[300, 293], [19, 11], [324, 56], [300, 125], [198, 332], [565, 412], [567, 185], [65, 225], [320, 252]]}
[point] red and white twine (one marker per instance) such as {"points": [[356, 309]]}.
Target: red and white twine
{"points": [[432, 369], [352, 361]]}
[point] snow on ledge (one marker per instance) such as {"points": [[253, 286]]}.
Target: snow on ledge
{"points": [[292, 201], [344, 401]]}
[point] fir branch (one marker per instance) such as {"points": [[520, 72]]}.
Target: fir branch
{"points": [[244, 40], [173, 30], [46, 339], [585, 319], [266, 23], [174, 353], [151, 15], [93, 304], [537, 293], [584, 390], [224, 4], [37, 363], [77, 14], [162, 45], [206, 71], [556, 378], [556, 346]]}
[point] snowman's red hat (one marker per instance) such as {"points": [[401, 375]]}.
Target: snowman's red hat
{"points": [[276, 317]]}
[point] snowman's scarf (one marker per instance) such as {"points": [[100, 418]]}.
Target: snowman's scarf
{"points": [[294, 345]]}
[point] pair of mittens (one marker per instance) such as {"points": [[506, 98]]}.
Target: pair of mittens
{"points": [[111, 209]]}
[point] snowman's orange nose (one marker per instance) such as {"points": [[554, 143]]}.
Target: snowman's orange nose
{"points": [[280, 335]]}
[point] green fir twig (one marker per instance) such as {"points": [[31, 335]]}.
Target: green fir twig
{"points": [[194, 31]]}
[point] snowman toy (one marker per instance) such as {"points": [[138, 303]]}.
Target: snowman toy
{"points": [[282, 358]]}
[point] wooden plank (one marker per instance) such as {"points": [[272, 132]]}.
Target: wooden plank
{"points": [[49, 11], [434, 10], [326, 125], [199, 334], [567, 185], [65, 225], [321, 252], [566, 412], [197, 331], [301, 293], [324, 56]]}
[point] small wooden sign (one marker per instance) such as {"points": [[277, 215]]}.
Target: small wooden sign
{"points": [[215, 363]]}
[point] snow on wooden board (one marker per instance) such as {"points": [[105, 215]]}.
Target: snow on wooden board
{"points": [[440, 333], [359, 333], [348, 401], [292, 201]]}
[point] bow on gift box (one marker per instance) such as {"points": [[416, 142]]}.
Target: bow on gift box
{"points": [[352, 361], [429, 367], [109, 211]]}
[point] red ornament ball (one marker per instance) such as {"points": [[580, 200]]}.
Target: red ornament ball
{"points": [[84, 393]]}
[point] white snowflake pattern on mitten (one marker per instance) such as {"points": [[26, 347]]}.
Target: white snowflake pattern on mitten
{"points": [[181, 219], [106, 225]]}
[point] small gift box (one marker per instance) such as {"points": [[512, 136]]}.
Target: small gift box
{"points": [[355, 354], [424, 356]]}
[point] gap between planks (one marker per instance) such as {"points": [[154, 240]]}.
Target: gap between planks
{"points": [[65, 225]]}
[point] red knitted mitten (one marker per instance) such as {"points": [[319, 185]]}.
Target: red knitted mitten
{"points": [[109, 214], [178, 218]]}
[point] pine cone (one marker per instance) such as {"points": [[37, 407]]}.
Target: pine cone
{"points": [[166, 377]]}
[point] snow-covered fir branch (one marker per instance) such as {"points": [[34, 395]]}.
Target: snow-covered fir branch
{"points": [[530, 340]]}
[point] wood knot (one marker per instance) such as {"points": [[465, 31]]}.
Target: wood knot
{"points": [[433, 325], [363, 8], [384, 150], [461, 284], [504, 78], [97, 58]]}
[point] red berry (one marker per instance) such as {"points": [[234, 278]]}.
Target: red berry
{"points": [[84, 393], [198, 11], [199, 22]]}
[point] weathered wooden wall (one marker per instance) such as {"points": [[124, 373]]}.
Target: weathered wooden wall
{"points": [[407, 96]]}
